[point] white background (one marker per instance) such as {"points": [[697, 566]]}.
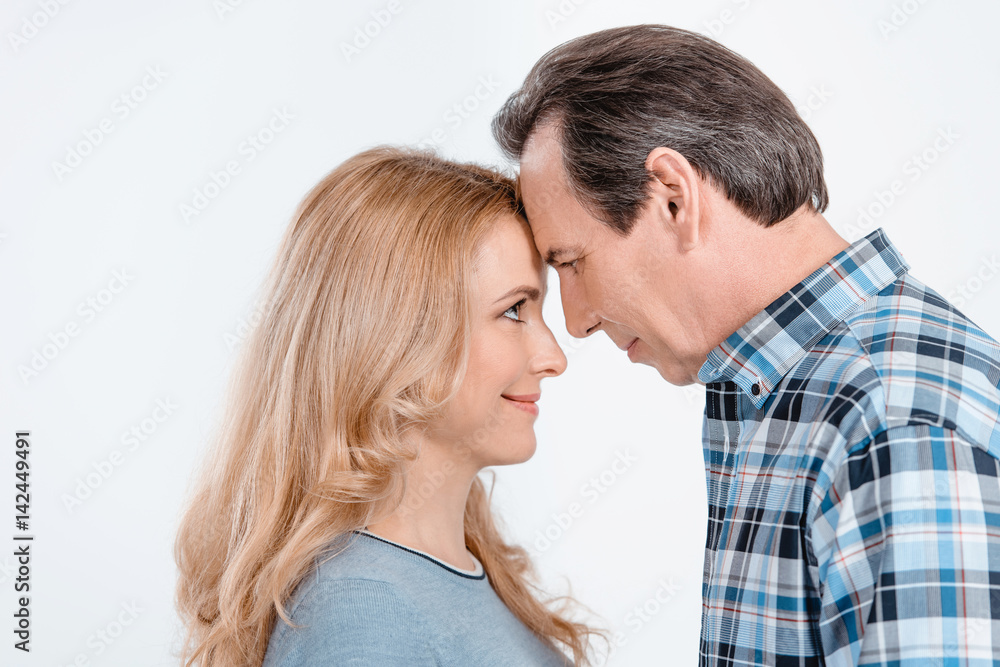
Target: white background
{"points": [[882, 83]]}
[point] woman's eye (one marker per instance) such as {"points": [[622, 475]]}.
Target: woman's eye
{"points": [[516, 310], [567, 265]]}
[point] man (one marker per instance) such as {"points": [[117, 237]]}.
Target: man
{"points": [[851, 432]]}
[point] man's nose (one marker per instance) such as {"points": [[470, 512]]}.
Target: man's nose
{"points": [[581, 320]]}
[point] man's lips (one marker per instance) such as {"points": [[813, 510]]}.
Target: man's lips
{"points": [[631, 347], [625, 347]]}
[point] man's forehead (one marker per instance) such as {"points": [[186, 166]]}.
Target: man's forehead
{"points": [[551, 209], [541, 156], [556, 236], [543, 191]]}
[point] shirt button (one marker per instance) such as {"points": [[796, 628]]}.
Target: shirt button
{"points": [[755, 389]]}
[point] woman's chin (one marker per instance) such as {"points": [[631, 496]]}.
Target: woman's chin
{"points": [[512, 453]]}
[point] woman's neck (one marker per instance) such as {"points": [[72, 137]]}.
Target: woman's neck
{"points": [[431, 516]]}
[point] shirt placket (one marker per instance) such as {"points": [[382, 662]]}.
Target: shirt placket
{"points": [[723, 435]]}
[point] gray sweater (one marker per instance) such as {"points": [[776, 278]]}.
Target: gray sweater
{"points": [[379, 603]]}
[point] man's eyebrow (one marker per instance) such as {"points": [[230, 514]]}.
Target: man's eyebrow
{"points": [[552, 256], [530, 292]]}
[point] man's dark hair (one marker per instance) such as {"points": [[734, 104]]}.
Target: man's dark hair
{"points": [[617, 94]]}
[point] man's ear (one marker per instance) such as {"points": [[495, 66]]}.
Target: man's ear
{"points": [[675, 193]]}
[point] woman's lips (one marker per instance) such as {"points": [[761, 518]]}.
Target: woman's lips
{"points": [[524, 402], [630, 350]]}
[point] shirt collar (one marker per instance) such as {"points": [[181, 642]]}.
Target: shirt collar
{"points": [[759, 353]]}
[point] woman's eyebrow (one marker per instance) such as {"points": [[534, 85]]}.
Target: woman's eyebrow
{"points": [[532, 293]]}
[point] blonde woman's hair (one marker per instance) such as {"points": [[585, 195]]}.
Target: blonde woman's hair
{"points": [[365, 334]]}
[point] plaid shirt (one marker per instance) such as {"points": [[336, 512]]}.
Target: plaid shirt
{"points": [[852, 448]]}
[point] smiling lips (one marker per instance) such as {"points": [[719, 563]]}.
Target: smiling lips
{"points": [[524, 402]]}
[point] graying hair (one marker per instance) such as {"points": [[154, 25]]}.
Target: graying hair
{"points": [[617, 94]]}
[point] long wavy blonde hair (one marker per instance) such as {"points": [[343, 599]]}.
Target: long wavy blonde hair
{"points": [[364, 335]]}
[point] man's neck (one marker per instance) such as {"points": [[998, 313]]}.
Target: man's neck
{"points": [[760, 264]]}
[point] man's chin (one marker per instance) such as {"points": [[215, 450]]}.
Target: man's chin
{"points": [[670, 372]]}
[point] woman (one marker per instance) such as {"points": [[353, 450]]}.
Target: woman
{"points": [[342, 519]]}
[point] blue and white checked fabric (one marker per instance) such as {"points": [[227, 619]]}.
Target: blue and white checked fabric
{"points": [[852, 448]]}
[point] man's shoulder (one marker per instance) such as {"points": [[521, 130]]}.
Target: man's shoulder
{"points": [[908, 325], [907, 357]]}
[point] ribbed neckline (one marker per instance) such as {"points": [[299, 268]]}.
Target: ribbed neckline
{"points": [[477, 573]]}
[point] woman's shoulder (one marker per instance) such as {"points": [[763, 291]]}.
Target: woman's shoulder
{"points": [[372, 605], [351, 574], [341, 615], [385, 604]]}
